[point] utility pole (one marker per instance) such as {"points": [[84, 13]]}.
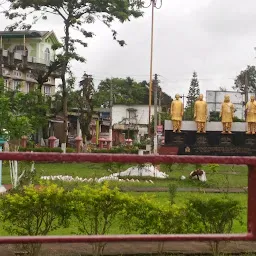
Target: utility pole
{"points": [[1, 57], [110, 116], [153, 4], [155, 113], [245, 92], [160, 106], [151, 68], [246, 87]]}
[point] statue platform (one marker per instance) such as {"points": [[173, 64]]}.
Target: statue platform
{"points": [[213, 142]]}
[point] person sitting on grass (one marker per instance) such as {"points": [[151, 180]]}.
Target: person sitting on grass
{"points": [[198, 174]]}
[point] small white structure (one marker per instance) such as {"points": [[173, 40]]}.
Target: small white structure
{"points": [[146, 170]]}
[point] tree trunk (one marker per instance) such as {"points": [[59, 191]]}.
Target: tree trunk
{"points": [[63, 79]]}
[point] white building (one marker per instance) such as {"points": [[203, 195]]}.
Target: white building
{"points": [[214, 100], [133, 117]]}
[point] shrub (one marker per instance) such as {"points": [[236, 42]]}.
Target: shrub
{"points": [[95, 209], [42, 149], [216, 215], [33, 212], [70, 150], [117, 150], [147, 217]]}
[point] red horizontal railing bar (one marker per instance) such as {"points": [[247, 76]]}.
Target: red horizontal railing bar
{"points": [[125, 158], [123, 238]]}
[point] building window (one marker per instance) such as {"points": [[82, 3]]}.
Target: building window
{"points": [[17, 73], [47, 56], [47, 90], [29, 75], [20, 48], [16, 85], [6, 83]]}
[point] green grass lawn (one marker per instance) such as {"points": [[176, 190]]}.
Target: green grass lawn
{"points": [[225, 176]]}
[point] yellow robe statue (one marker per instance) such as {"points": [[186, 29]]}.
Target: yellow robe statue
{"points": [[251, 115], [177, 111], [200, 114], [227, 114]]}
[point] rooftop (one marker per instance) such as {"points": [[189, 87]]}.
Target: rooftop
{"points": [[22, 33]]}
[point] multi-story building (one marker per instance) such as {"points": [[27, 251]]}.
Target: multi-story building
{"points": [[23, 54]]}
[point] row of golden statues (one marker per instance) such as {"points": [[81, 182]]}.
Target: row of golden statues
{"points": [[200, 114]]}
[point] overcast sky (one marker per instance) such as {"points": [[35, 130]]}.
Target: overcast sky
{"points": [[215, 38]]}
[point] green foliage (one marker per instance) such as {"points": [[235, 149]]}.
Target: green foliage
{"points": [[216, 215], [35, 211], [146, 217], [167, 167], [237, 119], [95, 210], [19, 119], [213, 167], [193, 94], [215, 116], [172, 189], [239, 82], [126, 91], [117, 150], [43, 149]]}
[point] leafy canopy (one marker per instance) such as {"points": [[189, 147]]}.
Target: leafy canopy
{"points": [[250, 71]]}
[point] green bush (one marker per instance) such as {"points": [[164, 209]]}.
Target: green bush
{"points": [[95, 210], [215, 215], [42, 149], [117, 150], [70, 150], [33, 212], [147, 217]]}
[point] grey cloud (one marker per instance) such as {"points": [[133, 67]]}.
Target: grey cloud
{"points": [[228, 17]]}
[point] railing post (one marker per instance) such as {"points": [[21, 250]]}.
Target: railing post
{"points": [[251, 226]]}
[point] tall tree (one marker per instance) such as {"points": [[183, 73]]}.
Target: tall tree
{"points": [[84, 103], [126, 91], [248, 74], [13, 116], [193, 94], [74, 14]]}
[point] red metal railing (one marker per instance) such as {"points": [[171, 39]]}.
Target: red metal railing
{"points": [[154, 159]]}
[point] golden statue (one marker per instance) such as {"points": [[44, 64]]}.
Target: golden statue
{"points": [[177, 111], [200, 114], [227, 114], [251, 115]]}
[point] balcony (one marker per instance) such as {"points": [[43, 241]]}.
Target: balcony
{"points": [[19, 56]]}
